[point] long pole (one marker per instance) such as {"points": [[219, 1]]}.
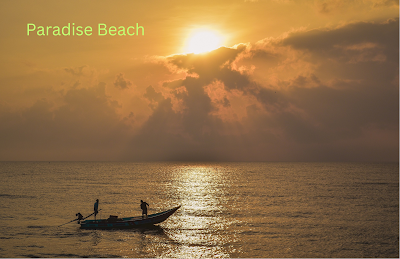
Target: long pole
{"points": [[68, 222], [90, 215], [77, 219]]}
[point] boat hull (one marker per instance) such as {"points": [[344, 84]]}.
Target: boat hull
{"points": [[131, 222]]}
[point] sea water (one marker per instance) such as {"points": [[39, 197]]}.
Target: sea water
{"points": [[228, 209]]}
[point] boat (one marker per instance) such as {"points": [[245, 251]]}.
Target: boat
{"points": [[131, 222]]}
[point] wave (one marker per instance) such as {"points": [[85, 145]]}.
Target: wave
{"points": [[13, 196]]}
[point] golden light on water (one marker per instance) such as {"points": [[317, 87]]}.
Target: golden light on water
{"points": [[199, 188], [199, 225]]}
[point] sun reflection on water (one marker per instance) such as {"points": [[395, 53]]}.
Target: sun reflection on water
{"points": [[198, 227]]}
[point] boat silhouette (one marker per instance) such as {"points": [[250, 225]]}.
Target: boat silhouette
{"points": [[130, 222]]}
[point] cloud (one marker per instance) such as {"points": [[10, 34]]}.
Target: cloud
{"points": [[121, 82], [153, 96], [346, 99], [328, 94], [365, 34], [83, 128], [329, 7], [380, 3], [76, 71]]}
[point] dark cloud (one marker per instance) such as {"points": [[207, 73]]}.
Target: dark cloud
{"points": [[121, 82], [153, 96], [337, 118], [380, 3], [83, 128], [360, 36], [76, 71], [328, 6]]}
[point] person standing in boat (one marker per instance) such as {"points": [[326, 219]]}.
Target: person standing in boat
{"points": [[143, 206], [96, 208]]}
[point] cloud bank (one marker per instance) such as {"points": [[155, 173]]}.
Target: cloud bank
{"points": [[328, 94]]}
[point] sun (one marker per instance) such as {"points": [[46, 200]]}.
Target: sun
{"points": [[203, 41]]}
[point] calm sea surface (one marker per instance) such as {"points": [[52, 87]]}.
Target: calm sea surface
{"points": [[228, 209]]}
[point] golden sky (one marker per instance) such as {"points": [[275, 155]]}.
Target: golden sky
{"points": [[266, 80]]}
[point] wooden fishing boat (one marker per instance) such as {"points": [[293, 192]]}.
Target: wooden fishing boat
{"points": [[131, 222]]}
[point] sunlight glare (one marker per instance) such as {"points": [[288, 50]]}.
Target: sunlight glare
{"points": [[203, 41]]}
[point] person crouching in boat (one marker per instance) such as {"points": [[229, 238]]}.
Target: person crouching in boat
{"points": [[143, 206], [96, 208], [80, 217]]}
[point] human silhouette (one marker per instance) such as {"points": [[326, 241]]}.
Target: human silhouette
{"points": [[143, 206], [96, 208], [80, 217]]}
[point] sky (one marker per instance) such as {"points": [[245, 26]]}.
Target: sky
{"points": [[283, 80]]}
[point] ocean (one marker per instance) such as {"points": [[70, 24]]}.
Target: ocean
{"points": [[228, 209]]}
